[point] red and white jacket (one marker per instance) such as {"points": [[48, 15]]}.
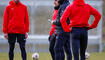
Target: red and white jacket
{"points": [[79, 13], [53, 18], [15, 18]]}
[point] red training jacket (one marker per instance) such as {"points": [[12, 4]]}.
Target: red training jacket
{"points": [[53, 18], [79, 13], [16, 18]]}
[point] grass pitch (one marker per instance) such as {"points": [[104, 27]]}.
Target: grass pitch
{"points": [[46, 56]]}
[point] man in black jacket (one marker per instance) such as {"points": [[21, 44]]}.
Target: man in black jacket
{"points": [[62, 38]]}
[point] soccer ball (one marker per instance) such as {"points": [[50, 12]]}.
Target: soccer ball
{"points": [[35, 56], [87, 55]]}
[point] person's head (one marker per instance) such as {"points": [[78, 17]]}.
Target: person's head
{"points": [[79, 2], [16, 1], [56, 4], [62, 1]]}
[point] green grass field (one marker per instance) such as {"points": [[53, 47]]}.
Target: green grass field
{"points": [[46, 56]]}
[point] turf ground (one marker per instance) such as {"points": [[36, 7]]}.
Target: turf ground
{"points": [[46, 56]]}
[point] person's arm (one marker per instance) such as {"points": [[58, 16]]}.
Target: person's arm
{"points": [[26, 22], [64, 17], [52, 29], [5, 23], [97, 17]]}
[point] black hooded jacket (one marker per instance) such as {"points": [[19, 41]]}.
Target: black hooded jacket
{"points": [[63, 5]]}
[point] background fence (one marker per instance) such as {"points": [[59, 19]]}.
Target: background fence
{"points": [[39, 13]]}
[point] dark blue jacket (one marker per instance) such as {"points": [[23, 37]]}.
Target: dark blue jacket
{"points": [[58, 27]]}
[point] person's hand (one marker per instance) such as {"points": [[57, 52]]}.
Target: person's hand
{"points": [[6, 36], [88, 27], [52, 22], [26, 35], [49, 38]]}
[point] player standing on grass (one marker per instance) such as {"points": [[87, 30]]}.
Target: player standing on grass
{"points": [[62, 41], [16, 26], [52, 36], [79, 13]]}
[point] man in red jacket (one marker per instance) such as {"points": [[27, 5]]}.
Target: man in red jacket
{"points": [[16, 26], [79, 13], [52, 37]]}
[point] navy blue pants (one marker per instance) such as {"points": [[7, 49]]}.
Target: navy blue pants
{"points": [[21, 40], [79, 42], [62, 44], [52, 39]]}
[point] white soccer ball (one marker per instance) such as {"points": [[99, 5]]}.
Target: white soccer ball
{"points": [[87, 55], [35, 56]]}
